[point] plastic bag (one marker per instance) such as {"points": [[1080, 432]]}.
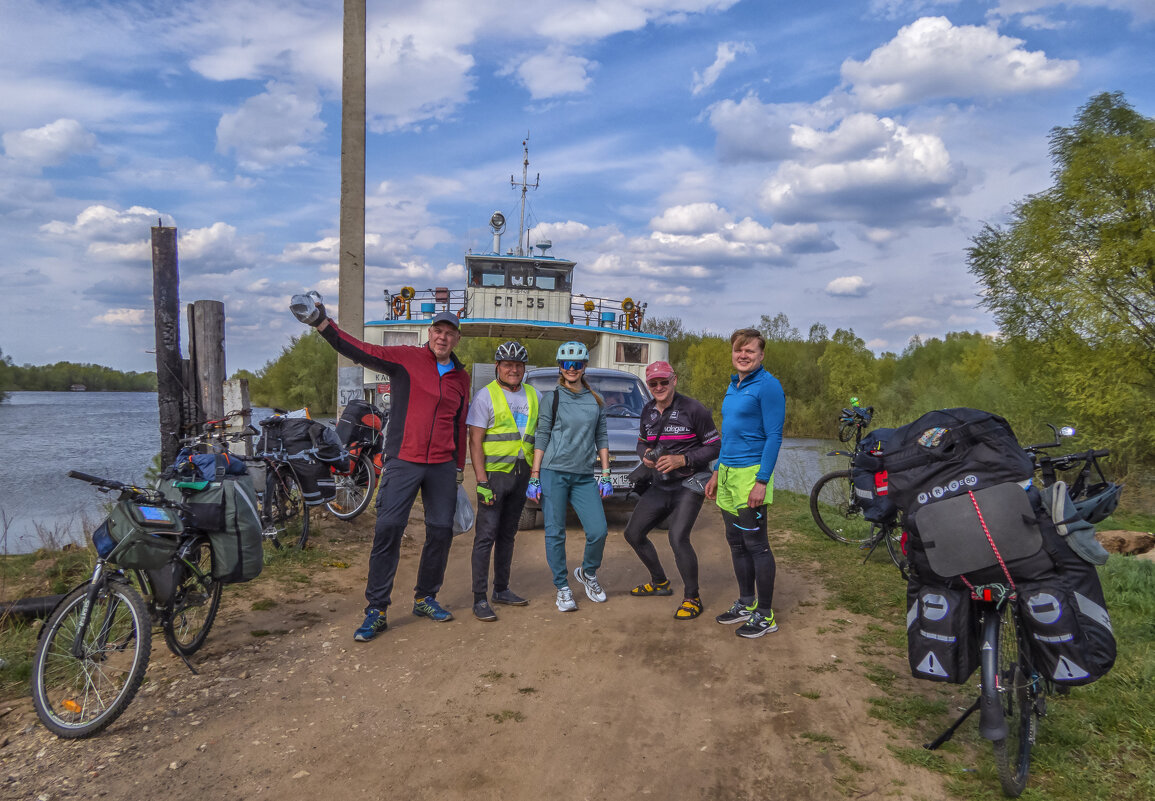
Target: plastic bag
{"points": [[463, 516]]}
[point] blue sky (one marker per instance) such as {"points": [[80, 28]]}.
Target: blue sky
{"points": [[720, 159]]}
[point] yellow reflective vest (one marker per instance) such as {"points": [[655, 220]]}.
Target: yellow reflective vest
{"points": [[503, 443]]}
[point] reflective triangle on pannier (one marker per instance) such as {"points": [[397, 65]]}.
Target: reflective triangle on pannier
{"points": [[931, 666], [1066, 670]]}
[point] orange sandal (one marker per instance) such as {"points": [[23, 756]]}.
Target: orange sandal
{"points": [[690, 609]]}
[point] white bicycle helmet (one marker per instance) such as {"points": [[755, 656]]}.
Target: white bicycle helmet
{"points": [[573, 350], [511, 351]]}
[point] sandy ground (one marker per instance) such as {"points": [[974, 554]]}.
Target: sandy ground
{"points": [[615, 701]]}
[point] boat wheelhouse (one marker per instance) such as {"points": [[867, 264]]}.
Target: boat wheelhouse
{"points": [[521, 295]]}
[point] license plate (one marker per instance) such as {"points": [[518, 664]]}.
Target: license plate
{"points": [[620, 480]]}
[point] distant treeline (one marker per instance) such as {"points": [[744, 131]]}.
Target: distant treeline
{"points": [[1097, 390], [62, 376]]}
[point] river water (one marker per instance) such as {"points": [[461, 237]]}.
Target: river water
{"points": [[43, 435], [115, 435]]}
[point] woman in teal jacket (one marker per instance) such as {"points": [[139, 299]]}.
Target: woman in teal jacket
{"points": [[571, 430]]}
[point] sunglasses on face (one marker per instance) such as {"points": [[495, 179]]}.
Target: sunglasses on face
{"points": [[658, 382], [571, 365]]}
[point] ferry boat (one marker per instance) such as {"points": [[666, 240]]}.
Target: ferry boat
{"points": [[524, 296]]}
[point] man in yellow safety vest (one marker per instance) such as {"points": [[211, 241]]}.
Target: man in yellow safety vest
{"points": [[502, 420]]}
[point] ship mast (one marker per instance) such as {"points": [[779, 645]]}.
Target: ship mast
{"points": [[525, 186]]}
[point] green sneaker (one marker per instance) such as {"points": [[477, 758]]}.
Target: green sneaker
{"points": [[738, 613], [757, 625]]}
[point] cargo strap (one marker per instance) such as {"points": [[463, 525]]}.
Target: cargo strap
{"points": [[975, 594]]}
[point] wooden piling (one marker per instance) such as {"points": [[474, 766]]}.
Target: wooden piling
{"points": [[206, 325], [166, 310]]}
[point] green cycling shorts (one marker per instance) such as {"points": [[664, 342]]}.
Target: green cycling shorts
{"points": [[734, 485]]}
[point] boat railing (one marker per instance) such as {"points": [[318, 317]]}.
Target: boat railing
{"points": [[589, 310]]}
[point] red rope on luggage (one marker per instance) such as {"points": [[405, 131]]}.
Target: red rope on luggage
{"points": [[991, 542]]}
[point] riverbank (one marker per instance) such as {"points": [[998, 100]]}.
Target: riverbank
{"points": [[617, 700]]}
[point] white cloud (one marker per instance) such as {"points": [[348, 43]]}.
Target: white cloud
{"points": [[578, 20], [125, 317], [849, 286], [553, 73], [910, 321], [931, 58], [693, 218], [101, 223], [49, 145], [272, 128], [1142, 10], [750, 130], [891, 176], [724, 56]]}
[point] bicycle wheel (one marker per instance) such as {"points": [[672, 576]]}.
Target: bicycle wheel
{"points": [[190, 614], [354, 489], [836, 512], [288, 514], [893, 538], [1016, 688], [77, 696]]}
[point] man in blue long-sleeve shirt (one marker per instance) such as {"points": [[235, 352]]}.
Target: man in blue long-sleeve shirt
{"points": [[753, 413]]}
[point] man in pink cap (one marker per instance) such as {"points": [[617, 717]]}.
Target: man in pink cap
{"points": [[677, 441]]}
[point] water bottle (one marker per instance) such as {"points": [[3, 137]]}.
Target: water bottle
{"points": [[303, 303]]}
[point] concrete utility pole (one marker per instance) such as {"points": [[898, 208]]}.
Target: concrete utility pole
{"points": [[351, 292]]}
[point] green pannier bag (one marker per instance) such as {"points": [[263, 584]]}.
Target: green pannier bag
{"points": [[226, 511], [146, 536]]}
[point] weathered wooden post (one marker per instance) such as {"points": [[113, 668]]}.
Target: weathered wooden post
{"points": [[206, 326], [166, 308], [351, 261]]}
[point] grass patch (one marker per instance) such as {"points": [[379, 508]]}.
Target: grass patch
{"points": [[813, 695], [817, 737], [493, 675], [527, 690], [506, 714], [263, 604]]}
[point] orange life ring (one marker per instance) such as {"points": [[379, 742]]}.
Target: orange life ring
{"points": [[398, 305]]}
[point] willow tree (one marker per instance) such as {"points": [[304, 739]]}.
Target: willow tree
{"points": [[1074, 268]]}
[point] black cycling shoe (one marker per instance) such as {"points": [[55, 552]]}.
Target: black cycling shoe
{"points": [[483, 611], [509, 598]]}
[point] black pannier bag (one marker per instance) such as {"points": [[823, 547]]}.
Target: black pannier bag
{"points": [[871, 481], [293, 436], [360, 424], [947, 452], [941, 636]]}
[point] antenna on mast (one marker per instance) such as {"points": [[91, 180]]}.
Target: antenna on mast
{"points": [[525, 186]]}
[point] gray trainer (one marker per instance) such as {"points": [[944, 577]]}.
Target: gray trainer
{"points": [[565, 601], [593, 590]]}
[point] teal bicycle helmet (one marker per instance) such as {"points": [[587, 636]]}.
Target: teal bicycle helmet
{"points": [[573, 351]]}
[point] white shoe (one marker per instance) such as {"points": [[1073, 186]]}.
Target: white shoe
{"points": [[565, 601], [593, 589]]}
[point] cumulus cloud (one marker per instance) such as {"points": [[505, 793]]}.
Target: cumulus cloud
{"points": [[553, 73], [931, 58], [849, 286], [750, 130], [272, 128], [868, 170], [693, 218], [581, 20], [102, 223], [124, 317], [49, 145], [724, 56]]}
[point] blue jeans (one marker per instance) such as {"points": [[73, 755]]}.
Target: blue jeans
{"points": [[580, 490]]}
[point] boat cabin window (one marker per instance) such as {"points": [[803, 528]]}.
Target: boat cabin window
{"points": [[633, 353], [535, 275]]}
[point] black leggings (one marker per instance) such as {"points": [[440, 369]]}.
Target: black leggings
{"points": [[753, 560], [680, 507]]}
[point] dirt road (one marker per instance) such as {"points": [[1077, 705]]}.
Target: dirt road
{"points": [[615, 701]]}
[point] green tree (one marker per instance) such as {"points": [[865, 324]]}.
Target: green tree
{"points": [[1077, 262], [305, 374], [5, 375]]}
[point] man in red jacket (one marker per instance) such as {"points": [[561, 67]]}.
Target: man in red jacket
{"points": [[425, 447]]}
